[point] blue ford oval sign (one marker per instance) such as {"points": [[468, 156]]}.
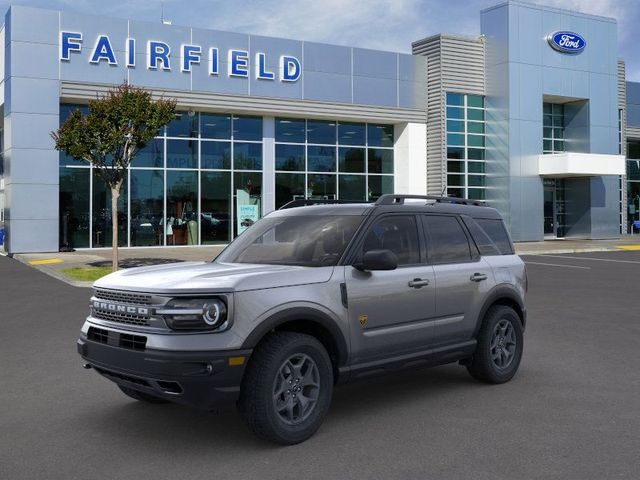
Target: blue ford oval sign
{"points": [[567, 42]]}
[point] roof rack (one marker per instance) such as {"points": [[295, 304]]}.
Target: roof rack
{"points": [[398, 199], [316, 201]]}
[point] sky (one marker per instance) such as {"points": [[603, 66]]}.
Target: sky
{"points": [[378, 24]]}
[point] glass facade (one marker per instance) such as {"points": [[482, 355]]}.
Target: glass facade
{"points": [[465, 131], [553, 140], [181, 189], [332, 160], [633, 182], [185, 186]]}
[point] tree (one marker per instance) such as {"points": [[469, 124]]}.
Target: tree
{"points": [[117, 126]]}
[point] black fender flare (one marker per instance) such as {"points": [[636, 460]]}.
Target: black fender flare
{"points": [[498, 293], [300, 313]]}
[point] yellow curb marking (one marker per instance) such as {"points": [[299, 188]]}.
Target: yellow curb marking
{"points": [[628, 247], [46, 261]]}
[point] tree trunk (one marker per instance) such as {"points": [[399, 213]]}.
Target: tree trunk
{"points": [[115, 194]]}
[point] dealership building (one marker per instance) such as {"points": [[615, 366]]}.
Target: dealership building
{"points": [[534, 116]]}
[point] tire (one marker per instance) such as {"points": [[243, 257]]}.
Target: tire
{"points": [[141, 396], [285, 368], [500, 344]]}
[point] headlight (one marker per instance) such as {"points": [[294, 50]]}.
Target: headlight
{"points": [[195, 313]]}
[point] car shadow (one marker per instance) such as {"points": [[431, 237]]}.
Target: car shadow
{"points": [[189, 430]]}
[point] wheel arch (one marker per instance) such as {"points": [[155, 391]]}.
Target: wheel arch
{"points": [[503, 295], [305, 320]]}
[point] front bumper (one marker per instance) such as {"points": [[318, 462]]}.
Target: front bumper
{"points": [[205, 380]]}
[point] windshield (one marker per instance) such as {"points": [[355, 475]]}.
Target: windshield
{"points": [[308, 241]]}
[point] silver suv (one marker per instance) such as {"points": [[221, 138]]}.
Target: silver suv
{"points": [[309, 297]]}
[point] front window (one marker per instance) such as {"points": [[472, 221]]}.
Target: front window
{"points": [[465, 146], [307, 241], [553, 128]]}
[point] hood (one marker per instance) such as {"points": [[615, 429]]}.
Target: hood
{"points": [[201, 277]]}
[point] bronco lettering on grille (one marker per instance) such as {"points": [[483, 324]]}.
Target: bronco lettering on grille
{"points": [[116, 308]]}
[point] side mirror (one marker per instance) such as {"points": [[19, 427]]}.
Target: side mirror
{"points": [[378, 260]]}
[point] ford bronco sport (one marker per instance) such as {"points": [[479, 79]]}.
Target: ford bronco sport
{"points": [[309, 297]]}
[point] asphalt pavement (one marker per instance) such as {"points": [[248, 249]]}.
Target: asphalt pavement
{"points": [[572, 412]]}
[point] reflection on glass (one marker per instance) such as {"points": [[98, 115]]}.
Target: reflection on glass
{"points": [[455, 152], [290, 157], [215, 155], [147, 192], [182, 154], [151, 155], [215, 126], [185, 124], [74, 207], [351, 160], [321, 186], [455, 180], [215, 202], [379, 185], [380, 160], [319, 131], [455, 167], [181, 223], [352, 187], [321, 159], [380, 135], [247, 128], [290, 130], [351, 133], [289, 186], [101, 215], [247, 156]]}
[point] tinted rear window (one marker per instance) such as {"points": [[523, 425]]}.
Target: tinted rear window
{"points": [[496, 231], [447, 241]]}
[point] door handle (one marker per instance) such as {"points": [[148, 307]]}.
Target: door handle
{"points": [[418, 283], [478, 277]]}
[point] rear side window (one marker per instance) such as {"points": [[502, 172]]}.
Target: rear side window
{"points": [[447, 241], [494, 228]]}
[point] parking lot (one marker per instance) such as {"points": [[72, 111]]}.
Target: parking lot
{"points": [[572, 412]]}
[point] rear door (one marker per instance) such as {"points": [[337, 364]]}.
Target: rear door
{"points": [[462, 277], [391, 312]]}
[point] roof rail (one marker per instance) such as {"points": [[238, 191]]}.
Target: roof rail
{"points": [[398, 199], [316, 201]]}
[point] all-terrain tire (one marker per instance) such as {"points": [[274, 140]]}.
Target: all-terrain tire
{"points": [[499, 349], [284, 369]]}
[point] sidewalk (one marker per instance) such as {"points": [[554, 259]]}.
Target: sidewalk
{"points": [[54, 263]]}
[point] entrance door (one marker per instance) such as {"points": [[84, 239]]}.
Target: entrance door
{"points": [[554, 208]]}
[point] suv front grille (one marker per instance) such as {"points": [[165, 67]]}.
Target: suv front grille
{"points": [[122, 297], [127, 318]]}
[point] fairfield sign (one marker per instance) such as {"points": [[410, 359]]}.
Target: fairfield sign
{"points": [[159, 56]]}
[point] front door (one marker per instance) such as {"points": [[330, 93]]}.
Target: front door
{"points": [[554, 208], [391, 311]]}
